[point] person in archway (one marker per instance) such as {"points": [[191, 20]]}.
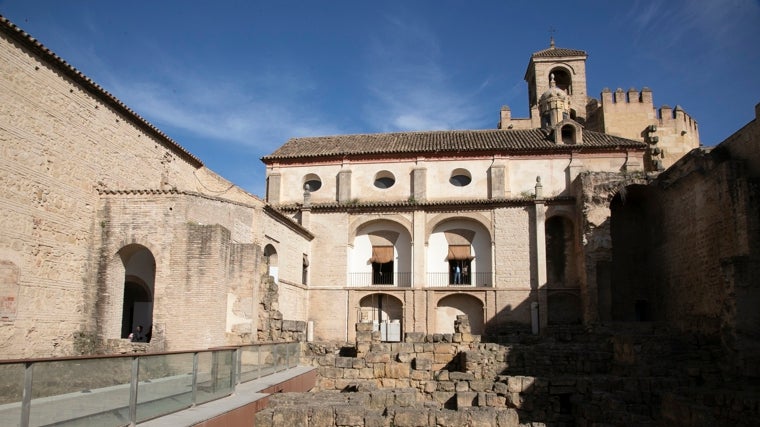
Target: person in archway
{"points": [[457, 275], [138, 335]]}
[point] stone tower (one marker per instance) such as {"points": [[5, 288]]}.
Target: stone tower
{"points": [[568, 67]]}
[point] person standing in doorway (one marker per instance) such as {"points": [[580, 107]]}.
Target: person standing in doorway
{"points": [[457, 275]]}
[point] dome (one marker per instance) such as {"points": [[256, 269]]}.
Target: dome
{"points": [[553, 92]]}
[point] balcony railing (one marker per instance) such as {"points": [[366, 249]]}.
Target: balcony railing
{"points": [[376, 279], [477, 279], [120, 390]]}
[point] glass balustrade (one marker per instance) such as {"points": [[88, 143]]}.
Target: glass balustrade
{"points": [[126, 389]]}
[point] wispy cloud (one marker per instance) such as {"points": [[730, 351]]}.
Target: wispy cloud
{"points": [[408, 85], [246, 112]]}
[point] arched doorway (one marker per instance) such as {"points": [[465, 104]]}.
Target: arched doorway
{"points": [[385, 312], [139, 280], [270, 255], [633, 231], [449, 307]]}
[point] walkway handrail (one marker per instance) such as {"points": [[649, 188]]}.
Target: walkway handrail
{"points": [[118, 390]]}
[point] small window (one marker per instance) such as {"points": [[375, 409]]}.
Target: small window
{"points": [[384, 179], [312, 183], [460, 178]]}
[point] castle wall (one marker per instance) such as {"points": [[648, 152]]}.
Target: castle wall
{"points": [[628, 114]]}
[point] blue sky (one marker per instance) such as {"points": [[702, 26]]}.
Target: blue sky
{"points": [[232, 80]]}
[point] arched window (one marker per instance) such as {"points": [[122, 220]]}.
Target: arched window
{"points": [[270, 255], [562, 79], [568, 134]]}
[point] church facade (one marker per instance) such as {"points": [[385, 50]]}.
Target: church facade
{"points": [[414, 228]]}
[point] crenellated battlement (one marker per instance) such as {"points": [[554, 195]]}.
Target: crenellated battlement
{"points": [[670, 132], [632, 96]]}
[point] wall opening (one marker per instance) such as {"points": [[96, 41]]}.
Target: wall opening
{"points": [[385, 312], [139, 279], [449, 307]]}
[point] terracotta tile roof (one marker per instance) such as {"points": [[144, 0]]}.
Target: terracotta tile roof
{"points": [[558, 52], [441, 142], [90, 86]]}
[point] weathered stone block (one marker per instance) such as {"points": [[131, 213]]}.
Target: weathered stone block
{"points": [[377, 357], [404, 357], [410, 418], [421, 375], [443, 347], [364, 327], [328, 372], [466, 399], [446, 386], [397, 370], [461, 376], [320, 416], [346, 416], [442, 397], [358, 363], [462, 386], [413, 337], [514, 384], [344, 362], [496, 401], [450, 419], [351, 374], [422, 364], [290, 416]]}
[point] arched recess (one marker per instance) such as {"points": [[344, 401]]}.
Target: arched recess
{"points": [[385, 312], [633, 231], [450, 306], [561, 252], [562, 78], [459, 253], [564, 308], [139, 280], [380, 254], [270, 256]]}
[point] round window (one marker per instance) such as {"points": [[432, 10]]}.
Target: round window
{"points": [[460, 178], [384, 179], [312, 183]]}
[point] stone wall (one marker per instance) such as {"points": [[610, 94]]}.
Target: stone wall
{"points": [[642, 375], [83, 177]]}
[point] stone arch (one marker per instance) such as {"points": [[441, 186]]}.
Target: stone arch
{"points": [[562, 77], [380, 253], [363, 222], [139, 267], [450, 306], [564, 308], [385, 311], [459, 252], [439, 220]]}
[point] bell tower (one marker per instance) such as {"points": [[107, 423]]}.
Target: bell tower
{"points": [[568, 67]]}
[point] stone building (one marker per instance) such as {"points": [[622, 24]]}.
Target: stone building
{"points": [[107, 224], [414, 228]]}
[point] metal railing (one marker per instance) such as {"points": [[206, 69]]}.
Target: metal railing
{"points": [[445, 279], [376, 279], [124, 390]]}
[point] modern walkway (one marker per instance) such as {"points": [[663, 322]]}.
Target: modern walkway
{"points": [[240, 408]]}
